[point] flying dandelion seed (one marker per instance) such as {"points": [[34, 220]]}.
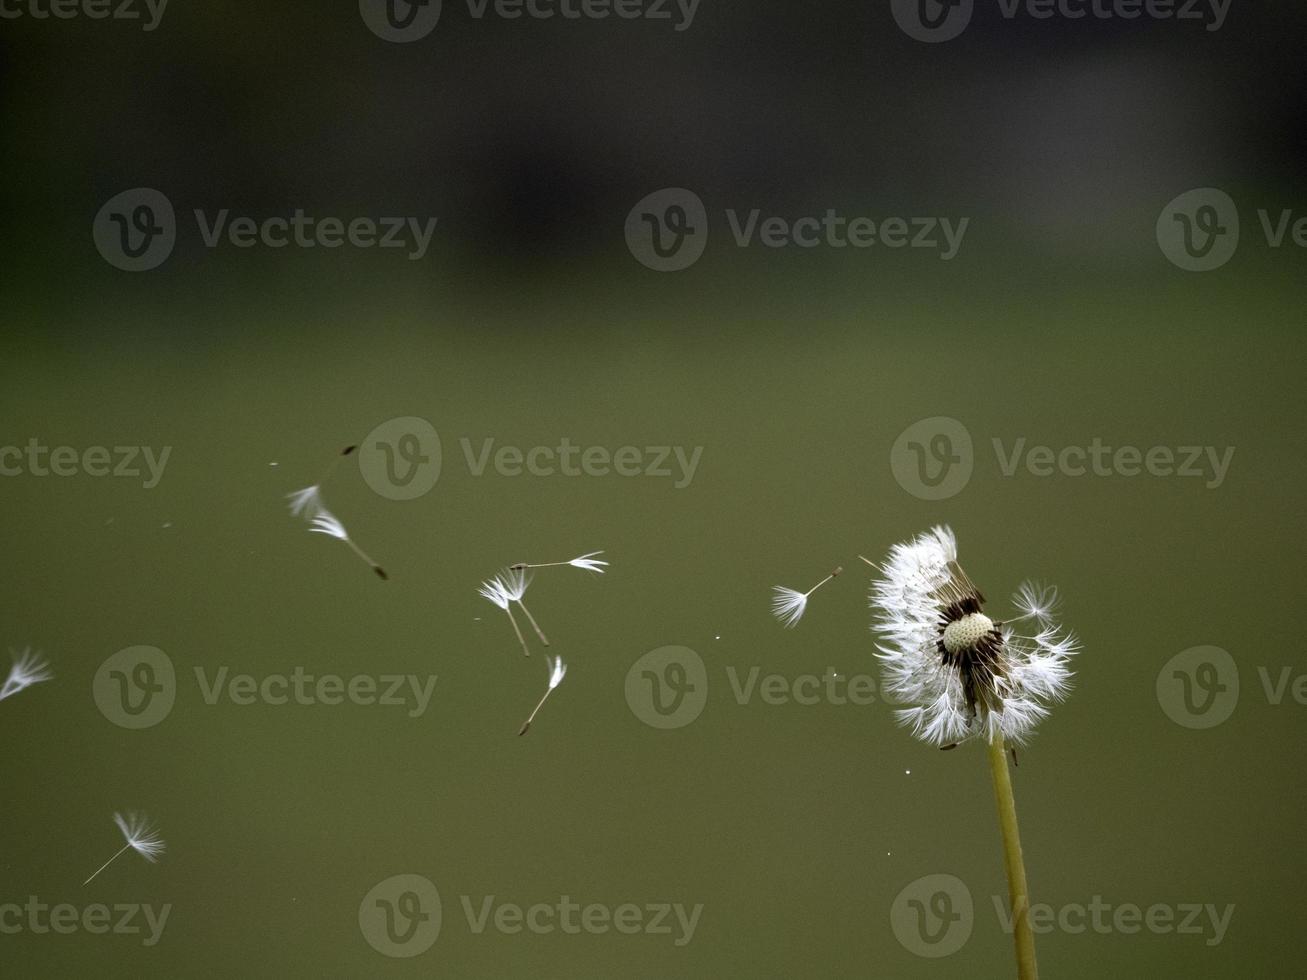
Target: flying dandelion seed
{"points": [[557, 671], [28, 668], [494, 590], [587, 562], [788, 605], [308, 504], [141, 837], [966, 676], [515, 582], [325, 522]]}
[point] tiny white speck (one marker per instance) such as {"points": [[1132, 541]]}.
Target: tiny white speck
{"points": [[907, 772], [167, 524], [716, 637], [274, 464]]}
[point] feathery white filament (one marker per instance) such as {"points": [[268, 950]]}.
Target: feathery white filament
{"points": [[589, 563], [787, 605], [28, 668], [557, 671]]}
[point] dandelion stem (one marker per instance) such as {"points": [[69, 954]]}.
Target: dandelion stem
{"points": [[107, 863], [335, 462], [1018, 894], [520, 638], [548, 564], [532, 717], [535, 626], [823, 581], [381, 572]]}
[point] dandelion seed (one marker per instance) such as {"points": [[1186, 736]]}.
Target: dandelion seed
{"points": [[308, 503], [788, 605], [141, 837], [515, 582], [587, 562], [557, 671], [494, 590], [325, 522], [28, 668]]}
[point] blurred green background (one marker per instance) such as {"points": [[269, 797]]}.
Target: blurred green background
{"points": [[796, 826]]}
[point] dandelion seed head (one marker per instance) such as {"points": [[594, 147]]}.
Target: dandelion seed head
{"points": [[28, 668], [961, 675], [589, 563], [493, 589], [305, 503], [140, 835], [514, 582], [325, 522], [787, 605]]}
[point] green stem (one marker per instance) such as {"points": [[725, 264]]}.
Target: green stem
{"points": [[1018, 894]]}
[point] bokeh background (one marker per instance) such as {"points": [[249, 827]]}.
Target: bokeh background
{"points": [[796, 370]]}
